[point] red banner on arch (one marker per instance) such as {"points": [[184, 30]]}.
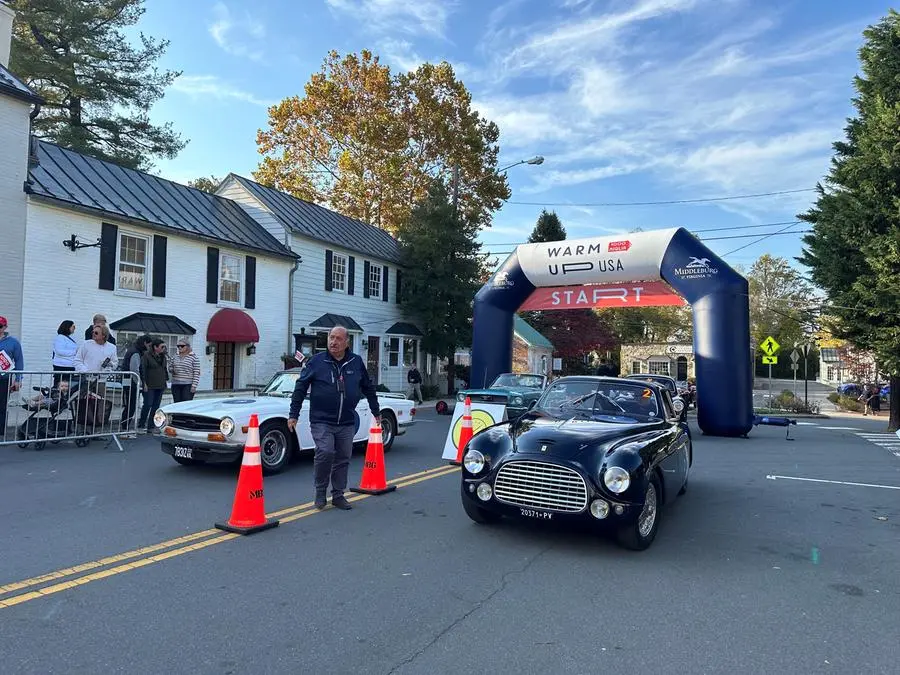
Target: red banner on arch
{"points": [[633, 294]]}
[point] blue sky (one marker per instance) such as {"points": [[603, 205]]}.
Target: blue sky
{"points": [[627, 100]]}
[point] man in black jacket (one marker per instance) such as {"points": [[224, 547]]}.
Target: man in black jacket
{"points": [[338, 379]]}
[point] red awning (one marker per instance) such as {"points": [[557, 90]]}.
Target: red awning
{"points": [[232, 325]]}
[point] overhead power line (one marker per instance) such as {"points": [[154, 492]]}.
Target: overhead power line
{"points": [[669, 201]]}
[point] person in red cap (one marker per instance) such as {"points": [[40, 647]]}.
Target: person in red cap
{"points": [[11, 359]]}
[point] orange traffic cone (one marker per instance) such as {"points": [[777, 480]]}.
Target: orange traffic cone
{"points": [[465, 434], [248, 513], [374, 481]]}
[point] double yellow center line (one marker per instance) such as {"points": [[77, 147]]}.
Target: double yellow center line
{"points": [[140, 557]]}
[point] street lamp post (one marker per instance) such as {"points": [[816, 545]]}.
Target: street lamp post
{"points": [[537, 159]]}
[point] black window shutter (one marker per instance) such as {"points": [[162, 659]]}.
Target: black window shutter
{"points": [[384, 282], [329, 274], [366, 279], [250, 293], [351, 275], [212, 275], [109, 242], [399, 284], [160, 245]]}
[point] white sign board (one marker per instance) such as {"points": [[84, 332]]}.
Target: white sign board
{"points": [[483, 416], [557, 364]]}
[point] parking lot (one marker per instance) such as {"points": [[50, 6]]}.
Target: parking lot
{"points": [[760, 567]]}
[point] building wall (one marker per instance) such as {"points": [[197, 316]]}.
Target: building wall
{"points": [[527, 358], [311, 298], [63, 285], [14, 126], [656, 358]]}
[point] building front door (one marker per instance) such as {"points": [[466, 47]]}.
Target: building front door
{"points": [[373, 359], [223, 366], [681, 369]]}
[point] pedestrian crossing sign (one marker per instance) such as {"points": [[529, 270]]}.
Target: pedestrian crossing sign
{"points": [[769, 346], [770, 360]]}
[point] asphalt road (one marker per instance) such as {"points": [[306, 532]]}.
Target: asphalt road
{"points": [[752, 571]]}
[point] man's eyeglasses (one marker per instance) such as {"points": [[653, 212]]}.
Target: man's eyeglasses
{"points": [[181, 346]]}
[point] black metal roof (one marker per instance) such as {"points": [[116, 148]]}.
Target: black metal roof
{"points": [[317, 222], [91, 184], [153, 324], [13, 86], [331, 320], [403, 328]]}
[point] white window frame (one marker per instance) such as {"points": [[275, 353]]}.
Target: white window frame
{"points": [[640, 367], [655, 363], [404, 356], [374, 281], [125, 338], [340, 260], [240, 279], [148, 265], [394, 354]]}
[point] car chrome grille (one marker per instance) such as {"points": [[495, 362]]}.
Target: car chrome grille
{"points": [[541, 485], [194, 422], [488, 398]]}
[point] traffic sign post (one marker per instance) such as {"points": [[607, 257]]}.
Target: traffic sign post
{"points": [[805, 349], [770, 346], [795, 356]]}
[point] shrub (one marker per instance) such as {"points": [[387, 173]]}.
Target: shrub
{"points": [[845, 402], [430, 391]]}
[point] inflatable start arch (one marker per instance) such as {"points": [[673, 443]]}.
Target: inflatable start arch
{"points": [[629, 270]]}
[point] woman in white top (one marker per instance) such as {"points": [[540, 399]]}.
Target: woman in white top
{"points": [[64, 348]]}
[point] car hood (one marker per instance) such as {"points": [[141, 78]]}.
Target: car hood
{"points": [[499, 391], [567, 439], [234, 407]]}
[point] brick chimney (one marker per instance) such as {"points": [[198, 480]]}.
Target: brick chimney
{"points": [[6, 21]]}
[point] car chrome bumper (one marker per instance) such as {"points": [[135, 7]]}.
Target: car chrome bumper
{"points": [[629, 511]]}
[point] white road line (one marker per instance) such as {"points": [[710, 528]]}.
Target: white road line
{"points": [[843, 428], [834, 482], [807, 424]]}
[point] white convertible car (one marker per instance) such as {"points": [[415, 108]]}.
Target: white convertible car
{"points": [[213, 430]]}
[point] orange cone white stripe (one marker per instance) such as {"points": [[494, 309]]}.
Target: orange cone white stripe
{"points": [[252, 456], [374, 479]]}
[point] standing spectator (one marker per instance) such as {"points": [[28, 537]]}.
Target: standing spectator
{"points": [[131, 363], [338, 378], [64, 348], [414, 377], [154, 372], [99, 320], [11, 359], [185, 369]]}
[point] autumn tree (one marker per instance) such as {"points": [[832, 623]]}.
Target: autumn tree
{"points": [[853, 251], [206, 183], [369, 142], [443, 268], [98, 89]]}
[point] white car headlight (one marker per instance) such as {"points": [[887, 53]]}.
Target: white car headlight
{"points": [[160, 419], [616, 479], [226, 426], [517, 400], [461, 397], [473, 461]]}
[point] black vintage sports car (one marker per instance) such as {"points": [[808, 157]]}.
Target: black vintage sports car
{"points": [[602, 450]]}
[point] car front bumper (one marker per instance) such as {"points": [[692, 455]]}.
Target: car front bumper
{"points": [[202, 451], [620, 513]]}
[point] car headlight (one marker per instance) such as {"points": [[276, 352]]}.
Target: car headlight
{"points": [[226, 426], [160, 419], [517, 400], [461, 397], [473, 461], [616, 479]]}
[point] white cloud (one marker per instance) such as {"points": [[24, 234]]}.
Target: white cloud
{"points": [[238, 37], [421, 16], [211, 86]]}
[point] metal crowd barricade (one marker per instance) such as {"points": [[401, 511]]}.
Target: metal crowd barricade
{"points": [[57, 406]]}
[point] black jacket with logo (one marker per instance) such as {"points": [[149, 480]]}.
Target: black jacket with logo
{"points": [[334, 388]]}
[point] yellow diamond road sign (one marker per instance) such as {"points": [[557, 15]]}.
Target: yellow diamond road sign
{"points": [[770, 360], [769, 345]]}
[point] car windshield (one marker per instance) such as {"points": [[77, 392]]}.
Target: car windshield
{"points": [[515, 380], [281, 385], [664, 381], [603, 401]]}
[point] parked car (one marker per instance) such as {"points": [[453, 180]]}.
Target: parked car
{"points": [[669, 383], [609, 452], [517, 391], [214, 430]]}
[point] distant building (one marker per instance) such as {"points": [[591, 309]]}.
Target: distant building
{"points": [[673, 359]]}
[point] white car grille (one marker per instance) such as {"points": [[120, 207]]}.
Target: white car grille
{"points": [[541, 485]]}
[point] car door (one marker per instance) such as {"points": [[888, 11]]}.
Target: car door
{"points": [[363, 421], [680, 445]]}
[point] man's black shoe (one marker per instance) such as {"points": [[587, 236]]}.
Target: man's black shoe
{"points": [[320, 502], [341, 503]]}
